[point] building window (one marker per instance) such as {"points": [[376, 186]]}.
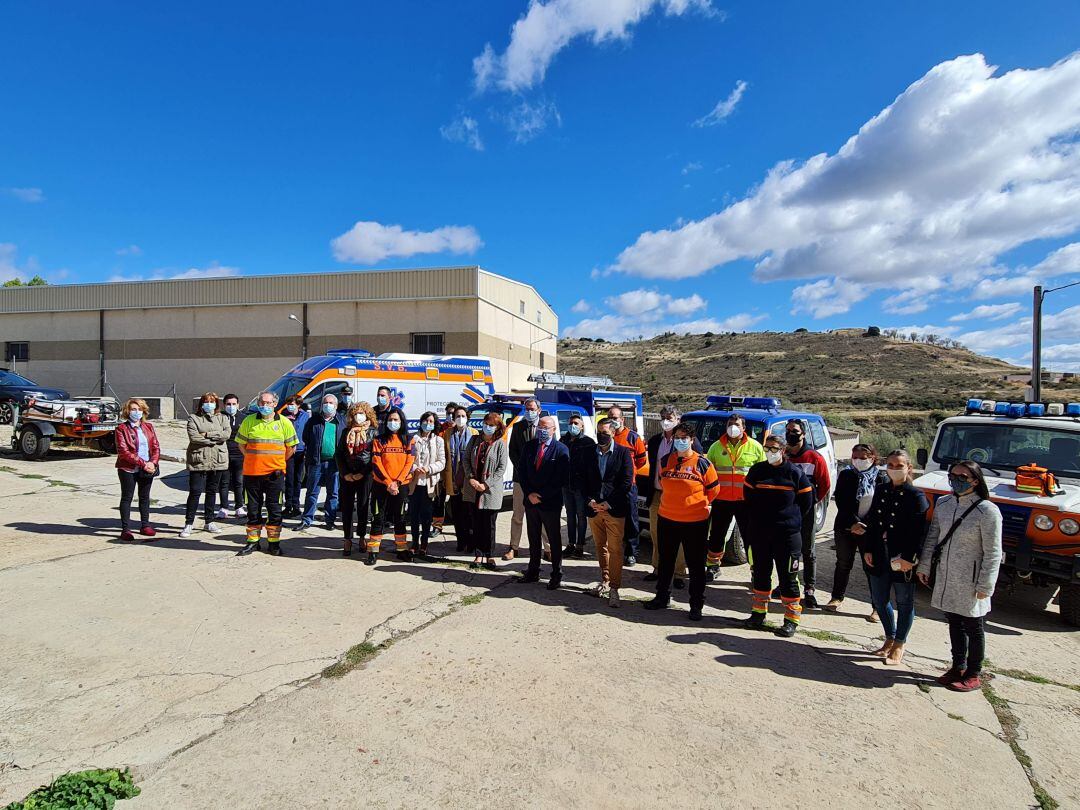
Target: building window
{"points": [[522, 303], [19, 352], [538, 316], [427, 342], [541, 359]]}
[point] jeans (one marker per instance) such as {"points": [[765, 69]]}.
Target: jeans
{"points": [[129, 482], [198, 483], [294, 478], [421, 512], [321, 474], [630, 539], [896, 625], [577, 522], [968, 637]]}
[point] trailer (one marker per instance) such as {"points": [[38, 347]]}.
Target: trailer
{"points": [[39, 423]]}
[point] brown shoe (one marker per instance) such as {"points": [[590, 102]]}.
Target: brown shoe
{"points": [[885, 648], [346, 549], [873, 618], [509, 555], [833, 606], [896, 655]]}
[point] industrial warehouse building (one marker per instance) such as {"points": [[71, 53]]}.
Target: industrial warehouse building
{"points": [[150, 338]]}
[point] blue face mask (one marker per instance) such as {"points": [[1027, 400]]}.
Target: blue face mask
{"points": [[134, 414], [291, 408], [265, 410], [209, 407], [959, 485], [427, 427], [532, 416], [393, 426], [489, 430], [328, 408], [382, 400], [230, 410], [543, 434], [347, 399], [681, 445], [575, 429]]}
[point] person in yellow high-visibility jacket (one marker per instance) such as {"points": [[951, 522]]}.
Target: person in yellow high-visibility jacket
{"points": [[733, 454], [267, 440]]}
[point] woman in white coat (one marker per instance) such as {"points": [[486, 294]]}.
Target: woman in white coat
{"points": [[430, 453], [962, 554]]}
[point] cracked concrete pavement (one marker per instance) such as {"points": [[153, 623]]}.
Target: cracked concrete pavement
{"points": [[202, 671]]}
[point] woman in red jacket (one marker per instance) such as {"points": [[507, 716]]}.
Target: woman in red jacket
{"points": [[137, 455]]}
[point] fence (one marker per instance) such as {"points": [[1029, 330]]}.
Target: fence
{"points": [[161, 398]]}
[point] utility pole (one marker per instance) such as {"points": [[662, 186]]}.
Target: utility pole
{"points": [[1036, 339]]}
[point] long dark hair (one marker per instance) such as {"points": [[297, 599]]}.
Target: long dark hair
{"points": [[976, 472], [403, 432]]}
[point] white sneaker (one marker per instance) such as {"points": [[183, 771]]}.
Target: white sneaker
{"points": [[241, 512], [613, 598], [221, 514], [187, 530], [213, 528]]}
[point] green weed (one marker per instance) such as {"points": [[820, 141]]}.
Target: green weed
{"points": [[1010, 725], [472, 599], [355, 657], [825, 635], [86, 790]]}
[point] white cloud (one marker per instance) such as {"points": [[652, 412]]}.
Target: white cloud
{"points": [[463, 129], [130, 250], [627, 327], [724, 107], [29, 195], [681, 307], [10, 268], [371, 242], [528, 119], [988, 312], [548, 27], [962, 167], [581, 307], [651, 305], [692, 166], [214, 270], [1061, 262]]}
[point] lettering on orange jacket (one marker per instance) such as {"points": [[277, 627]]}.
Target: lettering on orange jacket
{"points": [[638, 451], [689, 486], [391, 460]]}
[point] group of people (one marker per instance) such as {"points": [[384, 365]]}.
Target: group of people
{"points": [[369, 466]]}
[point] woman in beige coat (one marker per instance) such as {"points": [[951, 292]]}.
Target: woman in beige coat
{"points": [[207, 456]]}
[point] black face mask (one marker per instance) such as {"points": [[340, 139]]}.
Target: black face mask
{"points": [[794, 439], [603, 439]]}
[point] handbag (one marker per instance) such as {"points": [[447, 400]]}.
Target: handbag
{"points": [[935, 558]]}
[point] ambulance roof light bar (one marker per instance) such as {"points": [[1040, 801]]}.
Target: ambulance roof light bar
{"points": [[555, 379], [990, 407], [726, 403]]}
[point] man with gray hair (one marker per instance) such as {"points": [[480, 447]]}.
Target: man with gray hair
{"points": [[321, 435], [523, 431], [267, 441]]}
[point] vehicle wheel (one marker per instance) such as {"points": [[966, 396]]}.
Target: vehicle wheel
{"points": [[735, 551], [107, 444], [821, 511], [32, 443], [1069, 603], [7, 413]]}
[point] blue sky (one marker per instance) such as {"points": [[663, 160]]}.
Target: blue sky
{"points": [[646, 164]]}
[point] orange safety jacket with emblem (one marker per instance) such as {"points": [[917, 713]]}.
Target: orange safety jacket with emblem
{"points": [[733, 460], [688, 487], [638, 451], [264, 442], [392, 460]]}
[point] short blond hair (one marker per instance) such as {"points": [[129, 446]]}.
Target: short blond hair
{"points": [[138, 403]]}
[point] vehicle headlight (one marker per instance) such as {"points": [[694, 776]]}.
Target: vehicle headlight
{"points": [[1069, 526], [1044, 522]]}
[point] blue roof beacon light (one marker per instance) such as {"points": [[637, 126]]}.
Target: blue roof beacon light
{"points": [[1001, 409], [974, 405], [1017, 409], [1072, 409], [1036, 409], [752, 403]]}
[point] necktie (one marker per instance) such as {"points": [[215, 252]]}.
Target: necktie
{"points": [[540, 457]]}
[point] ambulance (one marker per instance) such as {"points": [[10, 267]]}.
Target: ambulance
{"points": [[417, 382], [1040, 529]]}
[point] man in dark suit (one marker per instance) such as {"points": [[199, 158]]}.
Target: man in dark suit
{"points": [[523, 432], [606, 473], [545, 471]]}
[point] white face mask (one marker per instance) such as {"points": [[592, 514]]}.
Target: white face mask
{"points": [[361, 418], [668, 424], [862, 464], [774, 456], [734, 431], [460, 421], [897, 476]]}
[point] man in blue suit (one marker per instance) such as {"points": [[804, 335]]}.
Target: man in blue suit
{"points": [[545, 471]]}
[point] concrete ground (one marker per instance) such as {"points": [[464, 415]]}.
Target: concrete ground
{"points": [[204, 672]]}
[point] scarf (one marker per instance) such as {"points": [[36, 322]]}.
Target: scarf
{"points": [[867, 482], [355, 437]]}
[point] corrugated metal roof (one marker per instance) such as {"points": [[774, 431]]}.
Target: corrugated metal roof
{"points": [[365, 285]]}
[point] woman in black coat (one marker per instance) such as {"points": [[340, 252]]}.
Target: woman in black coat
{"points": [[854, 495]]}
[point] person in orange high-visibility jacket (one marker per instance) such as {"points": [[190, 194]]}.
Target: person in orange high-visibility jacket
{"points": [[392, 462], [267, 441], [733, 454], [640, 454], [688, 488]]}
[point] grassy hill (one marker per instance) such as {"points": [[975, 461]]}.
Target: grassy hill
{"points": [[893, 391]]}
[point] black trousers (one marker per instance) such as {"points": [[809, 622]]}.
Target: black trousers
{"points": [[809, 551], [847, 550], [129, 482], [294, 479], [968, 637], [783, 553], [390, 512], [723, 512], [461, 512], [198, 483], [354, 504], [232, 480], [538, 521], [630, 535], [264, 491], [438, 509], [421, 512], [483, 528], [693, 536]]}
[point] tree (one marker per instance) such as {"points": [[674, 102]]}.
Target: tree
{"points": [[36, 281]]}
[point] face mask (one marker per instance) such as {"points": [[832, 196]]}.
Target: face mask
{"points": [[427, 427], [734, 431], [361, 418], [681, 445], [668, 424], [135, 414], [862, 464], [328, 408], [460, 422], [543, 434], [230, 410], [394, 425], [347, 399], [603, 439], [575, 429], [616, 425], [532, 416], [794, 439], [959, 485], [291, 408], [489, 430], [774, 456], [265, 410], [382, 400], [897, 476], [209, 407]]}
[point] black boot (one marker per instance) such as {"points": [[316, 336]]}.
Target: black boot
{"points": [[658, 602], [695, 613], [274, 549], [554, 581], [755, 622], [250, 547], [371, 558], [788, 630]]}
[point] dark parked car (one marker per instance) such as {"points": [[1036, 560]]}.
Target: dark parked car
{"points": [[13, 388]]}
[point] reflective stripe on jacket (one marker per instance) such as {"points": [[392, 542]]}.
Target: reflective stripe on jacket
{"points": [[263, 442], [638, 451], [732, 462], [688, 487]]}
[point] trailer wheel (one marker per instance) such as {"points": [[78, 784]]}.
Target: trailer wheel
{"points": [[33, 443], [821, 512], [1069, 602], [107, 444], [735, 551], [7, 413]]}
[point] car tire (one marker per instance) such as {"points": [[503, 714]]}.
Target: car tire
{"points": [[821, 511], [1069, 603], [7, 413], [735, 551], [33, 444]]}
